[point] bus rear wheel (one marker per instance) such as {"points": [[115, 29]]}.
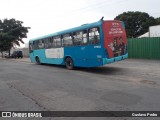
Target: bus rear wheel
{"points": [[69, 63], [37, 60]]}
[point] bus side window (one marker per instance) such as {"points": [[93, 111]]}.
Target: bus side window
{"points": [[51, 42], [77, 38], [36, 44], [85, 37], [30, 47], [94, 36], [48, 43], [67, 40], [41, 44], [57, 41], [33, 45]]}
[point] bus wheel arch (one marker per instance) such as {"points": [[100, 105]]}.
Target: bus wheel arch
{"points": [[69, 63], [37, 60]]}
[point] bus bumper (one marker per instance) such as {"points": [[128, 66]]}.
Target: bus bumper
{"points": [[115, 59], [125, 56]]}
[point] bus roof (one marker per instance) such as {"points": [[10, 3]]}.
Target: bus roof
{"points": [[82, 27]]}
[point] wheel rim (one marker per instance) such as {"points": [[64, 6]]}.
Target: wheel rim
{"points": [[69, 63], [37, 60]]}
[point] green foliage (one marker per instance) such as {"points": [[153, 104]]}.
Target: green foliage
{"points": [[11, 33], [136, 23], [158, 21]]}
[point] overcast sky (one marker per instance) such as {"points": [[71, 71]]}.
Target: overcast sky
{"points": [[49, 16]]}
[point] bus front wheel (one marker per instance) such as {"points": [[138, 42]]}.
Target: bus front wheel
{"points": [[37, 60], [69, 63]]}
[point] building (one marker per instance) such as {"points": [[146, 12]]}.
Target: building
{"points": [[154, 31]]}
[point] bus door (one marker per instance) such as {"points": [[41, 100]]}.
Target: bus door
{"points": [[81, 49], [31, 52], [115, 40]]}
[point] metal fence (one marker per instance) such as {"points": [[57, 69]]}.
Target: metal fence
{"points": [[144, 48]]}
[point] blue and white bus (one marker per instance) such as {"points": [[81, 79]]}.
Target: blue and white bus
{"points": [[89, 45]]}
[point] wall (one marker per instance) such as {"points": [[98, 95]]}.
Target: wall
{"points": [[144, 48], [154, 31], [24, 50]]}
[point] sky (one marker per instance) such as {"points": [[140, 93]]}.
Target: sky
{"points": [[49, 16]]}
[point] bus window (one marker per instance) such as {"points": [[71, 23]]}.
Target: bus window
{"points": [[47, 43], [94, 36], [51, 41], [67, 40], [35, 44], [77, 37], [85, 37], [57, 41], [40, 44], [30, 47]]}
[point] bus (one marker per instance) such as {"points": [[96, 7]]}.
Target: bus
{"points": [[88, 45]]}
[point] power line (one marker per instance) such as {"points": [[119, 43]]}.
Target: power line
{"points": [[89, 6], [93, 6]]}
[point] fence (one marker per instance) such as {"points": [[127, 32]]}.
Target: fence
{"points": [[144, 48]]}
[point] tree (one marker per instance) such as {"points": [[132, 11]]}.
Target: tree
{"points": [[11, 33], [3, 44], [158, 21], [136, 23]]}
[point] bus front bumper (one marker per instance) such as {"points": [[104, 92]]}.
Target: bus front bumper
{"points": [[115, 59]]}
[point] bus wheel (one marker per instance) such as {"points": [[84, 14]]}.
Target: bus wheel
{"points": [[69, 63], [37, 60]]}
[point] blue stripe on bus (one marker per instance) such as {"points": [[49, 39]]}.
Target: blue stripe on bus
{"points": [[125, 56]]}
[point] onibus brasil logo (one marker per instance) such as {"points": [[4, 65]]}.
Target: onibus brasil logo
{"points": [[21, 114]]}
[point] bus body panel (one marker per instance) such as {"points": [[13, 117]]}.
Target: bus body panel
{"points": [[41, 54], [32, 58], [81, 57], [85, 56], [93, 58]]}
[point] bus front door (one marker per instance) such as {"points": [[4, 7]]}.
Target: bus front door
{"points": [[31, 54]]}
